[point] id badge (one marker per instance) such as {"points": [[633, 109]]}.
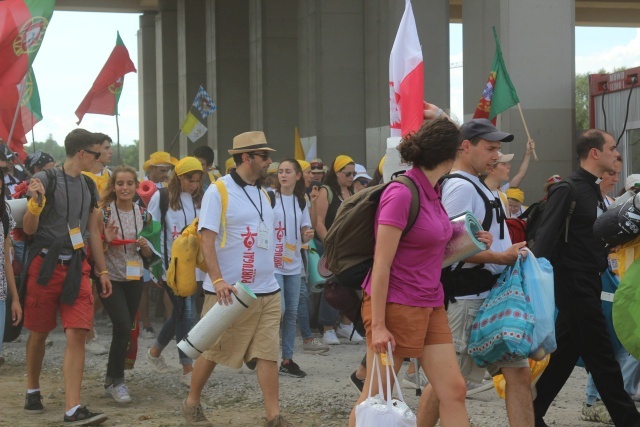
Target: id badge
{"points": [[613, 262], [289, 253], [134, 270], [76, 238], [263, 236]]}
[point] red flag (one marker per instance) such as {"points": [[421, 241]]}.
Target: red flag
{"points": [[484, 105], [23, 24], [104, 94], [406, 77]]}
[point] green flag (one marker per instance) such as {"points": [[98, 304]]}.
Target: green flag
{"points": [[504, 94]]}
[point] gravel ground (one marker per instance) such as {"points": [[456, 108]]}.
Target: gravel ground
{"points": [[232, 397]]}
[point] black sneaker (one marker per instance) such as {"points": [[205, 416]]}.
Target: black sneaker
{"points": [[292, 369], [357, 382], [84, 417], [33, 403]]}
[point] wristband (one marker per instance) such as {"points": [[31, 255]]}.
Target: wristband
{"points": [[33, 207], [217, 280], [103, 272]]}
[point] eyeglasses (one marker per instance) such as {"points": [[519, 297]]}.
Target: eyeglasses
{"points": [[96, 155], [264, 156], [349, 174]]}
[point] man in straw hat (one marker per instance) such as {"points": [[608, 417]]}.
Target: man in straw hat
{"points": [[158, 166], [238, 245]]}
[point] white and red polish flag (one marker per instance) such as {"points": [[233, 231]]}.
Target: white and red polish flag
{"points": [[406, 77]]}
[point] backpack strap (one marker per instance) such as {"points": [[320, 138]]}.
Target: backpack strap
{"points": [[329, 193], [164, 207], [414, 209], [224, 197], [272, 198], [92, 191], [488, 204], [572, 206], [52, 181]]}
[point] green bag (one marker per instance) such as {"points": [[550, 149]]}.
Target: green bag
{"points": [[626, 310]]}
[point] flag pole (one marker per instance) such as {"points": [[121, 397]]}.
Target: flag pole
{"points": [[33, 137], [15, 115], [175, 138], [118, 138], [535, 156]]}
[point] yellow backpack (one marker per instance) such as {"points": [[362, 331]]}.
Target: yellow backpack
{"points": [[186, 256]]}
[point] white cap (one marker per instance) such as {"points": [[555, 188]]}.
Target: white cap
{"points": [[631, 181], [361, 172]]}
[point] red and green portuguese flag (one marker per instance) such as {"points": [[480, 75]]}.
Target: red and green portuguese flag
{"points": [[499, 94], [104, 94], [23, 24], [29, 112]]}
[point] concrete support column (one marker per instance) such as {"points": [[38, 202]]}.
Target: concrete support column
{"points": [[332, 88], [381, 21], [227, 67], [147, 100], [273, 71], [167, 75], [543, 78], [192, 71]]}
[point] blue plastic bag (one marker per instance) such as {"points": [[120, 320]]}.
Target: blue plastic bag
{"points": [[503, 328], [538, 285]]}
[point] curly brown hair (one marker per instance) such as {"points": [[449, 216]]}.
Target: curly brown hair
{"points": [[434, 143], [109, 194]]}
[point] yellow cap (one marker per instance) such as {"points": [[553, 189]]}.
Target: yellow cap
{"points": [[381, 164], [229, 164], [304, 165], [273, 167], [188, 164], [160, 158], [515, 194], [341, 161]]}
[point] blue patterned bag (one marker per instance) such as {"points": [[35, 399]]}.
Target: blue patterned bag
{"points": [[503, 328]]}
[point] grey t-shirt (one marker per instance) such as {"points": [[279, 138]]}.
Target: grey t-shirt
{"points": [[53, 220]]}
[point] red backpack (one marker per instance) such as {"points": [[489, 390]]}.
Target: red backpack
{"points": [[517, 229]]}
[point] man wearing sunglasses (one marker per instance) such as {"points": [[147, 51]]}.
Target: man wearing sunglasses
{"points": [[62, 217]]}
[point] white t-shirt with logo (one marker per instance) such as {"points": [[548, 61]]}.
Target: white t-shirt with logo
{"points": [[241, 259], [287, 213], [175, 221], [459, 195]]}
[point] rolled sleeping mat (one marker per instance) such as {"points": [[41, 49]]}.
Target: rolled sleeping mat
{"points": [[217, 320], [314, 279], [145, 190], [17, 209], [619, 224], [463, 243]]}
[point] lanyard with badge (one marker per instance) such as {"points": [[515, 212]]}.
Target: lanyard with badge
{"points": [[74, 233], [133, 268], [289, 249], [263, 230]]}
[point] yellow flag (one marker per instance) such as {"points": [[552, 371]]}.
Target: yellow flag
{"points": [[298, 150]]}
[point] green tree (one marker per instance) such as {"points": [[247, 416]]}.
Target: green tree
{"points": [[130, 154], [582, 97], [49, 146]]}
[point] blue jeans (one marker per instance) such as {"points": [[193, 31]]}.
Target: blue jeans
{"points": [[631, 375], [303, 311], [183, 317], [290, 296], [327, 315], [3, 313], [592, 392]]}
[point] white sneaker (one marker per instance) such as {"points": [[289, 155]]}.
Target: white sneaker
{"points": [[94, 347], [148, 333], [345, 331], [409, 380], [119, 392], [330, 338], [158, 363], [186, 379], [314, 347], [475, 388]]}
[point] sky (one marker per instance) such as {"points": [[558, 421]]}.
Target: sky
{"points": [[77, 45]]}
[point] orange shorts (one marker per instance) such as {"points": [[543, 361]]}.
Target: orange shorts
{"points": [[413, 328], [42, 302]]}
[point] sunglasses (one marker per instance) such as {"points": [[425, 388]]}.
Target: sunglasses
{"points": [[263, 156], [96, 155], [317, 165], [349, 174]]}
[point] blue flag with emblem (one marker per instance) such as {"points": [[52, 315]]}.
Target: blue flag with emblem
{"points": [[203, 103]]}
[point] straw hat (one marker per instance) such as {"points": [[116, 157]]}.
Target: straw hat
{"points": [[248, 142], [160, 158]]}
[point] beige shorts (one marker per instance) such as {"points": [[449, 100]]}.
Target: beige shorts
{"points": [[461, 315], [255, 336]]}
